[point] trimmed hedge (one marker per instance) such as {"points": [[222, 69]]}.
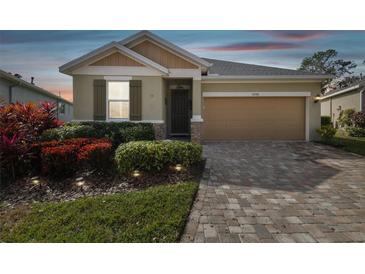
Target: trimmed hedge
{"points": [[118, 132], [155, 156], [326, 120], [69, 132], [60, 159], [356, 131]]}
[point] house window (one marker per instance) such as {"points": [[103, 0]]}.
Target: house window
{"points": [[62, 107], [118, 100]]}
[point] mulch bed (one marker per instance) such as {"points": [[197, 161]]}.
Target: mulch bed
{"points": [[88, 183]]}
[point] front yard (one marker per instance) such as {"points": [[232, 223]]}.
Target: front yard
{"points": [[156, 214], [91, 181]]}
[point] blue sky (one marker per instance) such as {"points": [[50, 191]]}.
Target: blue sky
{"points": [[40, 53]]}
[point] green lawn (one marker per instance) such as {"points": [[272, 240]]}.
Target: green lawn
{"points": [[156, 214], [348, 143]]}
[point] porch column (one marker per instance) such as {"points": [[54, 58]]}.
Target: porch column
{"points": [[196, 120]]}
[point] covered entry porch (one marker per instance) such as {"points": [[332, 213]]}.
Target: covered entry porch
{"points": [[182, 108]]}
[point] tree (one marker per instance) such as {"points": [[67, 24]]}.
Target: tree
{"points": [[325, 62]]}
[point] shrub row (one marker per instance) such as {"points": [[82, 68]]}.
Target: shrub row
{"points": [[356, 131], [154, 156], [117, 132], [60, 159]]}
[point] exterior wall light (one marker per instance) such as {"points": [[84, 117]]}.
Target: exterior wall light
{"points": [[136, 173], [317, 98], [178, 167]]}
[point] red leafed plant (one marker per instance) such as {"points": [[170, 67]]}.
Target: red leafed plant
{"points": [[20, 126], [60, 159]]}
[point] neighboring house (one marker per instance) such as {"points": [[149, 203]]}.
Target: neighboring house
{"points": [[146, 78], [352, 97], [14, 89]]}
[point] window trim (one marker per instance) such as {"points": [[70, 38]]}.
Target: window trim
{"points": [[115, 100]]}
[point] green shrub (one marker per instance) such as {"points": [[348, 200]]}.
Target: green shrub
{"points": [[326, 132], [326, 120], [356, 131], [137, 133], [69, 132], [120, 132], [345, 118], [156, 155]]}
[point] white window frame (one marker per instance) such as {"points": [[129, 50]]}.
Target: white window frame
{"points": [[116, 79]]}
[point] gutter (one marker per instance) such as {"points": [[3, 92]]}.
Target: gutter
{"points": [[269, 77], [340, 92]]}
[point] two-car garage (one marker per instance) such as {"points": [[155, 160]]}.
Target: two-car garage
{"points": [[254, 118]]}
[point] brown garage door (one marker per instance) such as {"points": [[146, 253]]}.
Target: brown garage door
{"points": [[264, 118]]}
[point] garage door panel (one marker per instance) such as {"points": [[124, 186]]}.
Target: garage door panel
{"points": [[269, 118]]}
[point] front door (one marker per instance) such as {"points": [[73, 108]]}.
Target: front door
{"points": [[179, 112]]}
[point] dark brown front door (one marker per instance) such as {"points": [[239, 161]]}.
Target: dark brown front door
{"points": [[179, 112]]}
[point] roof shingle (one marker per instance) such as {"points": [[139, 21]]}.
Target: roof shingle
{"points": [[221, 67]]}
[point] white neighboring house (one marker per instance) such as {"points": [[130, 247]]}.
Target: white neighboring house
{"points": [[14, 89]]}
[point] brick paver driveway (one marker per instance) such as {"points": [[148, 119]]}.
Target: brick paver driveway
{"points": [[279, 192]]}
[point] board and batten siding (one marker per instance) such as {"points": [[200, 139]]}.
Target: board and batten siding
{"points": [[162, 56], [117, 59]]}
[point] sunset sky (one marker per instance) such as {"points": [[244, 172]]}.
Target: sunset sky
{"points": [[40, 53]]}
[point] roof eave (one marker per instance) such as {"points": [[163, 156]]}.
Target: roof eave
{"points": [[341, 91], [68, 66], [266, 77], [35, 88]]}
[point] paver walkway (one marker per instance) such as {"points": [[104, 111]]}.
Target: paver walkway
{"points": [[279, 192]]}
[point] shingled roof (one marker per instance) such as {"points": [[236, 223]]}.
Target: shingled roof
{"points": [[220, 67]]}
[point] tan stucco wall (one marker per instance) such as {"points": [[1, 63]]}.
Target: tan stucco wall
{"points": [[314, 108], [346, 101], [83, 97], [152, 97]]}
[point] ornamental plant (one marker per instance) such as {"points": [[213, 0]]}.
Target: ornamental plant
{"points": [[153, 156], [358, 119], [60, 159], [20, 126], [345, 118], [326, 132]]}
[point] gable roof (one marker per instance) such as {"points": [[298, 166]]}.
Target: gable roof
{"points": [[21, 82], [227, 68], [336, 92], [124, 50], [167, 44]]}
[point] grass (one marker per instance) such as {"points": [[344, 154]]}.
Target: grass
{"points": [[348, 143], [156, 214]]}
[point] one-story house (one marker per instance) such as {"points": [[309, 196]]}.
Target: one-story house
{"points": [[145, 78], [352, 97], [14, 89]]}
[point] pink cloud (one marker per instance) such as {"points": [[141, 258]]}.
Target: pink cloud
{"points": [[65, 93], [297, 35], [253, 46]]}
